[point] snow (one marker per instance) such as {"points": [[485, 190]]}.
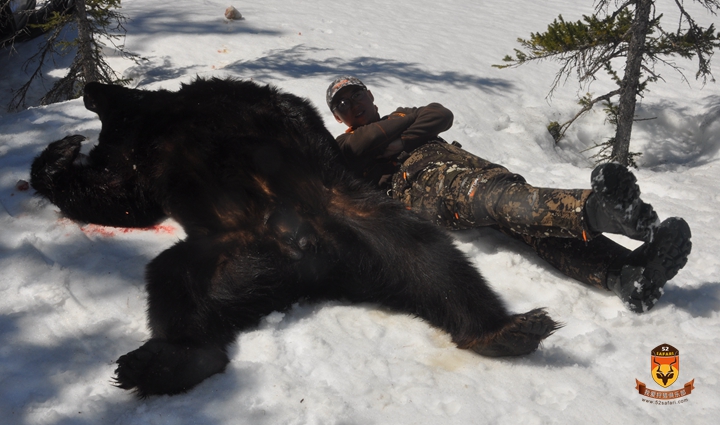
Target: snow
{"points": [[72, 298]]}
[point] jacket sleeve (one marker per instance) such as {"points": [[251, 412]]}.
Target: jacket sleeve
{"points": [[414, 126], [430, 121], [374, 138]]}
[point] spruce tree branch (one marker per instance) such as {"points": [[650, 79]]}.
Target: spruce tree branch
{"points": [[604, 4], [587, 106], [46, 49], [653, 74], [98, 26], [674, 66], [703, 56]]}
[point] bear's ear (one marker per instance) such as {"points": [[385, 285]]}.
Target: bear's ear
{"points": [[95, 98]]}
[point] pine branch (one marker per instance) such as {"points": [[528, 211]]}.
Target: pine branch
{"points": [[97, 24], [701, 42], [585, 46], [46, 49], [558, 130]]}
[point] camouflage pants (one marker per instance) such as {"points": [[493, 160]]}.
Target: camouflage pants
{"points": [[458, 190]]}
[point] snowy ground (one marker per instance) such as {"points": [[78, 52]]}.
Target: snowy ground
{"points": [[72, 297]]}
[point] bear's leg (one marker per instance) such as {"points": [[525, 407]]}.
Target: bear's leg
{"points": [[200, 293], [411, 266], [90, 193]]}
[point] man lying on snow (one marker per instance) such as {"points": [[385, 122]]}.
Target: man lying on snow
{"points": [[404, 156]]}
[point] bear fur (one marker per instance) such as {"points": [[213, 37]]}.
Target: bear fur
{"points": [[272, 216]]}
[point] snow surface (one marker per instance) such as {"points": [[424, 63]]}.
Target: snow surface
{"points": [[72, 298]]}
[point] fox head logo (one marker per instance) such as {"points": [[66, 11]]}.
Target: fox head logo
{"points": [[665, 364]]}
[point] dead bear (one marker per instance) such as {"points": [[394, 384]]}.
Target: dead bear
{"points": [[272, 217]]}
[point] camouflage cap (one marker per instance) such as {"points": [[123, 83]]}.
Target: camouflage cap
{"points": [[340, 83]]}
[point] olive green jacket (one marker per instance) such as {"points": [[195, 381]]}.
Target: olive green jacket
{"points": [[363, 146]]}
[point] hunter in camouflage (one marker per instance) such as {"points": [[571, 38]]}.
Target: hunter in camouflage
{"points": [[403, 154]]}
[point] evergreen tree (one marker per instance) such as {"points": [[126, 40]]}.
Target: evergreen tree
{"points": [[97, 22], [631, 31]]}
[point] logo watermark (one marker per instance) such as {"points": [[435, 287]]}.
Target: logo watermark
{"points": [[665, 371]]}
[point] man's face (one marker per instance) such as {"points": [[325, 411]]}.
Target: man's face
{"points": [[354, 107]]}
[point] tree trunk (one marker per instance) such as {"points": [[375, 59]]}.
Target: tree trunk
{"points": [[631, 81], [86, 46]]}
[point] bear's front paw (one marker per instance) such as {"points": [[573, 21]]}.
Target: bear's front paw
{"points": [[58, 156], [162, 367], [520, 336]]}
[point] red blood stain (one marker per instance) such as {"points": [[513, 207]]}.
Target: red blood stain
{"points": [[109, 232]]}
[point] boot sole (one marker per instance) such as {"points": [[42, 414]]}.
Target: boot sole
{"points": [[660, 262]]}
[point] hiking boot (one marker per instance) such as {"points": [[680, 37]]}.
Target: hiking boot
{"points": [[615, 205], [639, 277]]}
